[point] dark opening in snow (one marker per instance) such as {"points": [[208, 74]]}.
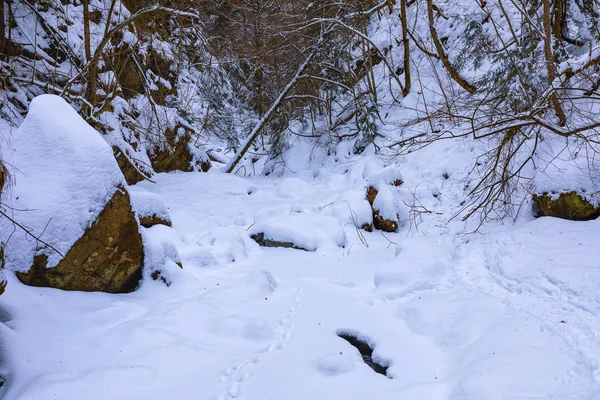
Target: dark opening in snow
{"points": [[365, 350]]}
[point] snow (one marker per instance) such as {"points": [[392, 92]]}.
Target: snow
{"points": [[65, 173], [511, 312], [352, 208], [307, 231], [147, 204]]}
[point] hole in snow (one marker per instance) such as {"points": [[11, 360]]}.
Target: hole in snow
{"points": [[365, 349]]}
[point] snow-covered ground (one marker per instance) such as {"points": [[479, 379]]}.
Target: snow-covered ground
{"points": [[512, 313]]}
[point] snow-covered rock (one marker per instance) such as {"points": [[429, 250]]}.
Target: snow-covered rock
{"points": [[69, 192], [149, 208], [298, 230]]}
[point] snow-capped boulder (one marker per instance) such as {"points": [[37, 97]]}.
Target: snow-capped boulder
{"points": [[383, 199], [150, 209], [569, 205], [69, 193], [300, 231]]}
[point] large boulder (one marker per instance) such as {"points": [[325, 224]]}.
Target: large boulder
{"points": [[68, 191], [569, 206]]}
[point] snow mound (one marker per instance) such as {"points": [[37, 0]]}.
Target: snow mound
{"points": [[307, 231], [389, 203], [567, 171], [386, 176], [65, 173], [148, 204], [421, 264], [160, 255], [335, 364], [352, 208], [291, 188], [226, 244]]}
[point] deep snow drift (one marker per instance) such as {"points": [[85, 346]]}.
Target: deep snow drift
{"points": [[509, 313]]}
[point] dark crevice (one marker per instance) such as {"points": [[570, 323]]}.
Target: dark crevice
{"points": [[366, 351]]}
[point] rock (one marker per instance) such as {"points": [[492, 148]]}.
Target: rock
{"points": [[175, 154], [371, 195], [301, 231], [151, 220], [130, 172], [379, 222], [383, 224], [71, 195], [108, 257], [150, 209], [260, 239], [3, 174], [2, 277], [569, 206]]}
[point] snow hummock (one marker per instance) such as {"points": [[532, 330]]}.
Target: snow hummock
{"points": [[307, 231], [352, 208], [65, 173], [148, 204]]}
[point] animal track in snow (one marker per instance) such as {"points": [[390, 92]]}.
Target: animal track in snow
{"points": [[234, 376]]}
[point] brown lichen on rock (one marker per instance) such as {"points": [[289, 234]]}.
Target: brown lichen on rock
{"points": [[371, 195], [107, 258], [380, 223], [148, 221], [130, 172], [569, 206]]}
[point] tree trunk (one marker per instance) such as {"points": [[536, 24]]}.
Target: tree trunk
{"points": [[406, 45], [442, 53], [550, 66], [258, 128], [91, 88], [2, 29]]}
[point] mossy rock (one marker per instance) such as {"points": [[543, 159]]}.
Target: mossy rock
{"points": [[107, 258], [569, 206]]}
